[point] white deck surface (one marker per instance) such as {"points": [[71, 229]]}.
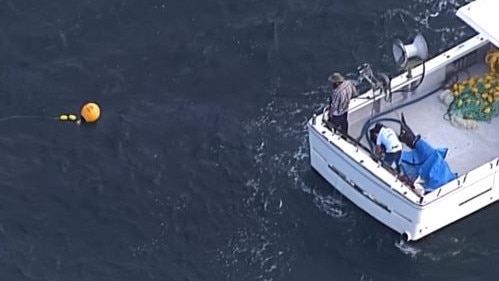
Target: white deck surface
{"points": [[468, 148]]}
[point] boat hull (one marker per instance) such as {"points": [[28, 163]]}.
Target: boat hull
{"points": [[350, 167], [365, 182]]}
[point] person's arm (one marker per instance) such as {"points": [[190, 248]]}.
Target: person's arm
{"points": [[377, 148], [355, 91]]}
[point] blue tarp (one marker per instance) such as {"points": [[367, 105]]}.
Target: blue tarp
{"points": [[428, 163]]}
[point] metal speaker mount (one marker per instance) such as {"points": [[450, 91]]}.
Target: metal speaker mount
{"points": [[404, 53], [378, 81]]}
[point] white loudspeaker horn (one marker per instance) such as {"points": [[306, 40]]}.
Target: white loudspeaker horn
{"points": [[402, 53]]}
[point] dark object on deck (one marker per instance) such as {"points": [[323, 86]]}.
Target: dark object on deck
{"points": [[407, 136]]}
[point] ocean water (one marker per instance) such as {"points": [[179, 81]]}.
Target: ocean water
{"points": [[199, 167]]}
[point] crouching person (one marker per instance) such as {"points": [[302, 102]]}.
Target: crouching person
{"points": [[387, 140]]}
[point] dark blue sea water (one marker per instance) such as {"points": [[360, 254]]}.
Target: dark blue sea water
{"points": [[199, 168]]}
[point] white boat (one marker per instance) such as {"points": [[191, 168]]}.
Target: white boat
{"points": [[459, 160]]}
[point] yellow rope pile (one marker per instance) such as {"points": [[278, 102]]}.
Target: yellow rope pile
{"points": [[477, 98]]}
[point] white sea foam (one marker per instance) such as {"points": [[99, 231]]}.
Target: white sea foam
{"points": [[426, 16], [407, 249], [444, 248]]}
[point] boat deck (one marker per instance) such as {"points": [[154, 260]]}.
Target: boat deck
{"points": [[467, 148]]}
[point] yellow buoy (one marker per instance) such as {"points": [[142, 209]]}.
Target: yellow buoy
{"points": [[90, 112], [68, 117]]}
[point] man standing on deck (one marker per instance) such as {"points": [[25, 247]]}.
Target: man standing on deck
{"points": [[343, 91]]}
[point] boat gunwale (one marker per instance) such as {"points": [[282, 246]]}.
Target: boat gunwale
{"points": [[389, 186], [419, 204]]}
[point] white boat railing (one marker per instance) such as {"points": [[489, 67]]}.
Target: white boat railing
{"points": [[353, 148], [365, 159], [481, 173], [436, 64]]}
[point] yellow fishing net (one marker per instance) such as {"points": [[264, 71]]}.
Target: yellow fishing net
{"points": [[477, 98]]}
